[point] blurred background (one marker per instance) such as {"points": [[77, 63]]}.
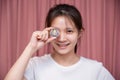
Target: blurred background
{"points": [[100, 40]]}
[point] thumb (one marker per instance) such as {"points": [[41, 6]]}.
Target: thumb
{"points": [[50, 39]]}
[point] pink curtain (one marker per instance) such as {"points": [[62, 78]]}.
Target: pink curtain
{"points": [[100, 40]]}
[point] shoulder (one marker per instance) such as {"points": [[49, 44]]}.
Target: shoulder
{"points": [[40, 59], [90, 62], [90, 65], [96, 68]]}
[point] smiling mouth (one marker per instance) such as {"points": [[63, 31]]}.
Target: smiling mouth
{"points": [[63, 45]]}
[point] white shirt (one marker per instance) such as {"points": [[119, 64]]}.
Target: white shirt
{"points": [[45, 68]]}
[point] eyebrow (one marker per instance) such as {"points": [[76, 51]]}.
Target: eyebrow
{"points": [[69, 28]]}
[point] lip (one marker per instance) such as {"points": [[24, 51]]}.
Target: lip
{"points": [[63, 45]]}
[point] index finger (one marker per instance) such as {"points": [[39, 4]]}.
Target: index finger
{"points": [[49, 28]]}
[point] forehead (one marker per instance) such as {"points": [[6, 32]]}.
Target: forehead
{"points": [[63, 21]]}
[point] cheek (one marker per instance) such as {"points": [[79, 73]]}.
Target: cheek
{"points": [[73, 38], [52, 42]]}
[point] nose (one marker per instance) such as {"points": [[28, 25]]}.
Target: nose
{"points": [[62, 36]]}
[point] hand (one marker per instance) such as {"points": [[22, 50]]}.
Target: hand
{"points": [[40, 38]]}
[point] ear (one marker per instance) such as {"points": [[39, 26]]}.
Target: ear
{"points": [[80, 33]]}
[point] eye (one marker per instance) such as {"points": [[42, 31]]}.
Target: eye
{"points": [[69, 31]]}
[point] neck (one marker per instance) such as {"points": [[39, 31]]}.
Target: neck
{"points": [[65, 59]]}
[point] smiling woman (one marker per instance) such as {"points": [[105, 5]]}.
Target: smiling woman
{"points": [[68, 37], [63, 63]]}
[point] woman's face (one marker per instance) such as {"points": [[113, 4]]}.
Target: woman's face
{"points": [[66, 41]]}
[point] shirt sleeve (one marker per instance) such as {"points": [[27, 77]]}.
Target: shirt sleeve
{"points": [[29, 72], [105, 74]]}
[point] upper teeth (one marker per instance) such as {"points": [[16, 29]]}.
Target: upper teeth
{"points": [[63, 44]]}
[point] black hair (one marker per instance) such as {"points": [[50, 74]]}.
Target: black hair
{"points": [[68, 11]]}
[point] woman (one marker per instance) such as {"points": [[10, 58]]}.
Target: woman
{"points": [[63, 63]]}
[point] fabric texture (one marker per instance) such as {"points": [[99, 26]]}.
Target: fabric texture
{"points": [[45, 68]]}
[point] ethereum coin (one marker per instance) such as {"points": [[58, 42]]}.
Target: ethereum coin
{"points": [[54, 32]]}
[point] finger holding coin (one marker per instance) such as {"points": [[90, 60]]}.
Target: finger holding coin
{"points": [[51, 31], [43, 35]]}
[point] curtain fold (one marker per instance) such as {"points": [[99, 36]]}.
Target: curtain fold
{"points": [[99, 41]]}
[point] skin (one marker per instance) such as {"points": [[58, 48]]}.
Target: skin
{"points": [[63, 47]]}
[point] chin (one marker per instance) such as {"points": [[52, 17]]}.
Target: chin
{"points": [[62, 52]]}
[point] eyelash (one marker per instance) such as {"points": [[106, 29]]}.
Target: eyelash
{"points": [[69, 31]]}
